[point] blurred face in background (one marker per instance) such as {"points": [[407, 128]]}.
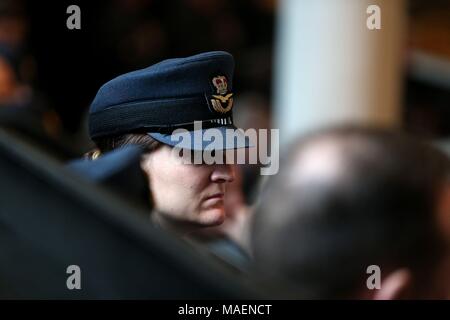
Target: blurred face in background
{"points": [[13, 30], [187, 193], [8, 81], [442, 279]]}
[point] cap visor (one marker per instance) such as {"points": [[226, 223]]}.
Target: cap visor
{"points": [[218, 138]]}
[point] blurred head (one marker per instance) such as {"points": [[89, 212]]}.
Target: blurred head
{"points": [[13, 23], [8, 80], [9, 74], [349, 198]]}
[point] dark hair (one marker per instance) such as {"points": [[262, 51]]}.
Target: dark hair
{"points": [[322, 235], [131, 183], [110, 143]]}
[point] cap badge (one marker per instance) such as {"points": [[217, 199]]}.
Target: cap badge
{"points": [[222, 102]]}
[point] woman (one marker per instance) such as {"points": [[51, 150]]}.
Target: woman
{"points": [[146, 106]]}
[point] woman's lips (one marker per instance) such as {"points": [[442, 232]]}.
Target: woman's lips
{"points": [[215, 199], [215, 196]]}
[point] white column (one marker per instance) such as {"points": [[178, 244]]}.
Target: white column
{"points": [[331, 69]]}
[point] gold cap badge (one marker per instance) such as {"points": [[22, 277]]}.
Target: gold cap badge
{"points": [[222, 102]]}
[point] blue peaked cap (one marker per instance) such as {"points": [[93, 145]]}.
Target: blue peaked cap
{"points": [[166, 96]]}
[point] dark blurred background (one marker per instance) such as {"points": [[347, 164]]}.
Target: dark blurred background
{"points": [[68, 66], [60, 70]]}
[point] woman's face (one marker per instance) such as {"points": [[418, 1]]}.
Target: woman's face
{"points": [[187, 192]]}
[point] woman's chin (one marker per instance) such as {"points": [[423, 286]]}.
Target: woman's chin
{"points": [[212, 216]]}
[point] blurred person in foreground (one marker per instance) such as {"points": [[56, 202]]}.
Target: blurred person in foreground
{"points": [[348, 198]]}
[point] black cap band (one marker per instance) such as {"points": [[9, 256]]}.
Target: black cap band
{"points": [[180, 112]]}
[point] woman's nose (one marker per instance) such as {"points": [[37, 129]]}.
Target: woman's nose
{"points": [[223, 173]]}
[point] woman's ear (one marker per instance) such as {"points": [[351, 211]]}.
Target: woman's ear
{"points": [[145, 162], [395, 285]]}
